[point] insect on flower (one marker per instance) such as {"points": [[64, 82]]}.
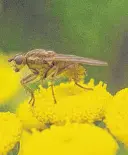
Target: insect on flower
{"points": [[49, 65]]}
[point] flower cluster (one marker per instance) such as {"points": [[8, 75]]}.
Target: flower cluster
{"points": [[8, 86], [69, 139], [25, 114], [117, 116], [74, 104], [10, 131]]}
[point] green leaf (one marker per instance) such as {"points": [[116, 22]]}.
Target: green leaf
{"points": [[15, 150]]}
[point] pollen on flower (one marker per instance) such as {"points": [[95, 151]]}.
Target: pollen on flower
{"points": [[117, 116], [74, 104], [70, 139], [25, 114], [9, 86], [10, 131]]}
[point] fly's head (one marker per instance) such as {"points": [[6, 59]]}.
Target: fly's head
{"points": [[19, 61]]}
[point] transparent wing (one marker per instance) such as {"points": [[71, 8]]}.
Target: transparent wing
{"points": [[76, 59]]}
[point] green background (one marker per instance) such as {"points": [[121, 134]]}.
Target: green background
{"points": [[90, 28]]}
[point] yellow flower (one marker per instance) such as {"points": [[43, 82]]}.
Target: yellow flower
{"points": [[26, 116], [74, 104], [10, 131], [83, 139], [9, 81], [23, 140], [117, 116]]}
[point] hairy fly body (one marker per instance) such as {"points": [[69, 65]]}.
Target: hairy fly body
{"points": [[49, 65]]}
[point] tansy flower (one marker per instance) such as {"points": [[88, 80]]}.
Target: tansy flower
{"points": [[117, 116], [10, 131], [83, 139], [9, 81], [24, 139], [74, 104], [26, 116]]}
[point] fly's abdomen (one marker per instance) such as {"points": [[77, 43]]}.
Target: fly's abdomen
{"points": [[76, 72]]}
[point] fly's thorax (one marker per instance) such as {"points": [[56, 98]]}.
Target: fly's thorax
{"points": [[42, 53], [39, 68]]}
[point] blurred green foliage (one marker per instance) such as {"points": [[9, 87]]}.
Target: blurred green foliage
{"points": [[83, 27], [87, 28]]}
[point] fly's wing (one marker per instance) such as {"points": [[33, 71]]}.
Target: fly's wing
{"points": [[76, 59]]}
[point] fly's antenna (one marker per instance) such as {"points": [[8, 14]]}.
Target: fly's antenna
{"points": [[11, 59]]}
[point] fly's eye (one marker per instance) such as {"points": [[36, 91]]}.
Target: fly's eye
{"points": [[18, 59]]}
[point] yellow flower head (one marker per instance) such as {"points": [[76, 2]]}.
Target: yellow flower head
{"points": [[26, 116], [117, 116], [10, 131], [9, 81], [74, 104], [24, 139], [83, 139]]}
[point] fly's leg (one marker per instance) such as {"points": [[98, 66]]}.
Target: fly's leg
{"points": [[52, 76], [53, 93], [45, 74], [32, 94], [24, 83], [70, 66], [75, 77], [52, 84], [82, 86]]}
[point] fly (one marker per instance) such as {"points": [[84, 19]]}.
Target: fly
{"points": [[49, 65]]}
